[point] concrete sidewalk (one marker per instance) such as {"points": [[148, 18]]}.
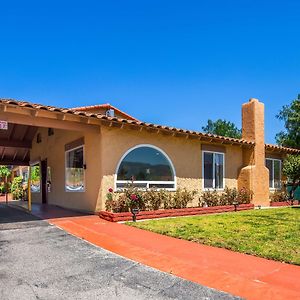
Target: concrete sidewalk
{"points": [[239, 274]]}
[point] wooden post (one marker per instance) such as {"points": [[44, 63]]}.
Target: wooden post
{"points": [[29, 189], [6, 190]]}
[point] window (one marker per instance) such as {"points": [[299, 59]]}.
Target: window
{"points": [[35, 178], [147, 167], [274, 166], [213, 170], [74, 170]]}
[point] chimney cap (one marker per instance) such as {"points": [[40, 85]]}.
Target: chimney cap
{"points": [[253, 100]]}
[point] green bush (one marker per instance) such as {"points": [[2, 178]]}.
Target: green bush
{"points": [[279, 196], [209, 198], [228, 197], [244, 196], [155, 199], [2, 189], [180, 199], [151, 199], [17, 188]]}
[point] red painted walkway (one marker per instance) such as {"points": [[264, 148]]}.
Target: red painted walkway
{"points": [[239, 274]]}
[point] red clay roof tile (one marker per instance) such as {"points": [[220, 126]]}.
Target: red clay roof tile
{"points": [[83, 112]]}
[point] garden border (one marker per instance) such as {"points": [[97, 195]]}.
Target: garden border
{"points": [[284, 203], [163, 213]]}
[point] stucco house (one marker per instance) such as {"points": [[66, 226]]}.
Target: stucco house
{"points": [[77, 154]]}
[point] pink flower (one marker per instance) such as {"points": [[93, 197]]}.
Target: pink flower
{"points": [[110, 190], [134, 197]]}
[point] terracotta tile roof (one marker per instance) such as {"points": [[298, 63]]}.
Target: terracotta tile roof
{"points": [[272, 147], [120, 122], [104, 106]]}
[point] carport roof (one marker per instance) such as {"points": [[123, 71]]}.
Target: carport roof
{"points": [[15, 144], [135, 124]]}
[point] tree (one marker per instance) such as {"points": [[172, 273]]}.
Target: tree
{"points": [[223, 128], [17, 188], [290, 115], [4, 172], [291, 169]]}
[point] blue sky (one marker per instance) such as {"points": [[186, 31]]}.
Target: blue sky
{"points": [[176, 63]]}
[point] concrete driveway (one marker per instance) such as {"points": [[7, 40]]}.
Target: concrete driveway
{"points": [[40, 261]]}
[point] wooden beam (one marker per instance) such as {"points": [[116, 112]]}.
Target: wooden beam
{"points": [[25, 154], [15, 144], [26, 132], [3, 153], [47, 122], [14, 162], [12, 131], [15, 155]]}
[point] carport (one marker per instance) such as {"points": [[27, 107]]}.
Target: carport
{"points": [[19, 125], [15, 145]]}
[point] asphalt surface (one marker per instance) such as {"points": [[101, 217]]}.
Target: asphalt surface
{"points": [[40, 261]]}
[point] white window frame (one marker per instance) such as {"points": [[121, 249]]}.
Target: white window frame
{"points": [[67, 151], [272, 188], [174, 182], [214, 180]]}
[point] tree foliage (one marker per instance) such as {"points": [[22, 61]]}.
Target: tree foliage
{"points": [[223, 128], [291, 169], [4, 172], [17, 188], [290, 115]]}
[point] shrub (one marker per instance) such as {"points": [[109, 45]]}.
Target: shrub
{"points": [[244, 196], [209, 198], [279, 196], [133, 198], [180, 199], [124, 201], [2, 189], [17, 188], [152, 199], [228, 197], [155, 199]]}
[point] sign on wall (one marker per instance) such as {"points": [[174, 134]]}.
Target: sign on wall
{"points": [[3, 125]]}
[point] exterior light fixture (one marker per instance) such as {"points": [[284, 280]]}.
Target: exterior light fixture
{"points": [[236, 204], [134, 212]]}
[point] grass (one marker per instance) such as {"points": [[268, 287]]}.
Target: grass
{"points": [[268, 233]]}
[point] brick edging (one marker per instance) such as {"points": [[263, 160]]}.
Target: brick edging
{"points": [[163, 213], [284, 203]]}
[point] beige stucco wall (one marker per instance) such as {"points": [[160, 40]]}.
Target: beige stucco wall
{"points": [[52, 148], [184, 153]]}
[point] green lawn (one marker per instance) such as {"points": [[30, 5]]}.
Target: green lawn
{"points": [[269, 233]]}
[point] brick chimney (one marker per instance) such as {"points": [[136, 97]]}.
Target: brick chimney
{"points": [[254, 175]]}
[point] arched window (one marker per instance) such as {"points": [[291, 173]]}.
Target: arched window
{"points": [[147, 167]]}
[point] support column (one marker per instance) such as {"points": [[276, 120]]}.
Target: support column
{"points": [[29, 189]]}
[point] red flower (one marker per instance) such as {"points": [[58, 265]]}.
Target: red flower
{"points": [[110, 190], [134, 197]]}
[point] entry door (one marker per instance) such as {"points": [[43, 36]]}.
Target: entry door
{"points": [[44, 180]]}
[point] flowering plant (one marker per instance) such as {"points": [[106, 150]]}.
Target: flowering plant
{"points": [[134, 197]]}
